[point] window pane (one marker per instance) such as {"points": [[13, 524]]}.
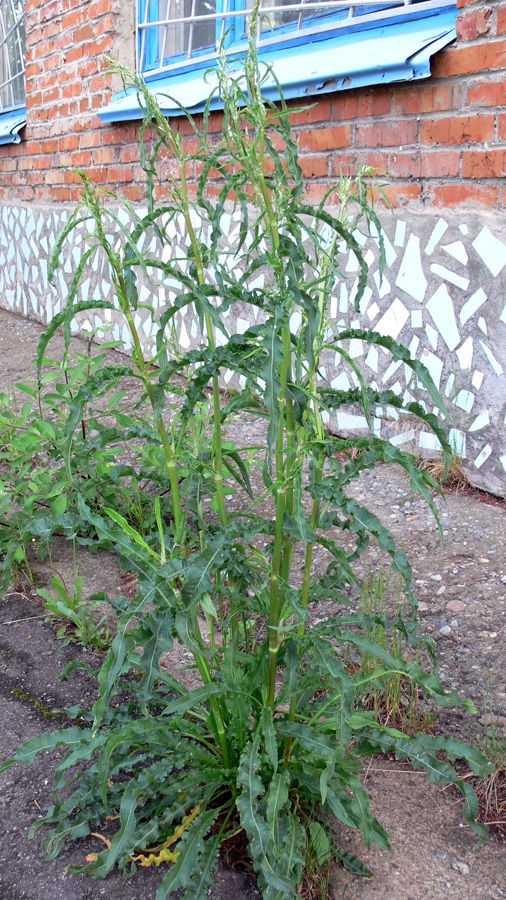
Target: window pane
{"points": [[12, 53]]}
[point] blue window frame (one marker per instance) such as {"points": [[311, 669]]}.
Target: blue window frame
{"points": [[312, 47], [174, 34], [12, 70]]}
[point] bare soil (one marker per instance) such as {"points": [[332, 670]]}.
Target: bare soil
{"points": [[462, 595]]}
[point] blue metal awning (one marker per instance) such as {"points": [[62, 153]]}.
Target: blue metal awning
{"points": [[10, 124], [394, 51]]}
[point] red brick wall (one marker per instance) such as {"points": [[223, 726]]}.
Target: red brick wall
{"points": [[441, 142]]}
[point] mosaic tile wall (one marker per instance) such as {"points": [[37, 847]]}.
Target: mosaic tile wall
{"points": [[442, 295]]}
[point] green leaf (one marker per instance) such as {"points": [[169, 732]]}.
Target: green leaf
{"points": [[352, 863], [321, 845], [29, 750], [277, 795]]}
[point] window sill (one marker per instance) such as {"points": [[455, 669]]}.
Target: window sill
{"points": [[394, 51], [11, 123]]}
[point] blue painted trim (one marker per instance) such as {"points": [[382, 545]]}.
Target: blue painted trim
{"points": [[10, 123], [389, 52]]}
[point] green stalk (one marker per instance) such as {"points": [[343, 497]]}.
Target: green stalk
{"points": [[141, 364]]}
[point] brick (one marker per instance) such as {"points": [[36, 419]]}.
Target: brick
{"points": [[429, 98], [314, 166], [320, 112], [462, 3], [86, 33], [119, 173], [104, 156], [475, 24], [315, 191], [487, 93], [484, 164], [375, 103], [440, 165], [459, 130], [399, 195], [453, 195], [89, 139], [345, 106], [397, 134], [464, 59], [501, 20], [501, 127], [350, 164], [322, 139]]}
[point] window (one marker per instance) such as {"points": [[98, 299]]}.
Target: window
{"points": [[313, 46], [12, 69]]}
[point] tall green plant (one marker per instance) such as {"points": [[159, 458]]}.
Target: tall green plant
{"points": [[275, 728]]}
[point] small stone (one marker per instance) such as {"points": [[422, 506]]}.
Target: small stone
{"points": [[498, 721], [461, 867], [445, 629], [456, 606], [439, 854], [440, 590], [454, 623], [503, 579], [436, 577], [423, 606]]}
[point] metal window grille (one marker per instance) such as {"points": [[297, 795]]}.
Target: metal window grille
{"points": [[12, 54], [173, 33]]}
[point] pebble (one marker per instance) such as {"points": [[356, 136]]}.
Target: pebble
{"points": [[445, 629], [503, 579], [461, 867], [456, 606]]}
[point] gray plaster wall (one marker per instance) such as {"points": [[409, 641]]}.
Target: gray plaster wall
{"points": [[442, 295]]}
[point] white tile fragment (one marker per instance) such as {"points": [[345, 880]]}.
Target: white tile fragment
{"points": [[434, 365], [472, 305], [341, 382], [450, 276], [465, 400], [242, 326], [392, 369], [411, 277], [491, 250], [416, 318], [480, 421], [348, 422], [400, 233], [463, 229], [449, 385], [458, 251], [393, 321], [382, 285], [477, 379], [373, 311], [498, 369], [483, 456], [403, 438], [432, 336], [441, 309], [502, 317], [482, 325], [429, 441], [365, 299], [457, 441], [372, 359], [437, 233], [352, 265], [465, 354], [503, 461]]}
